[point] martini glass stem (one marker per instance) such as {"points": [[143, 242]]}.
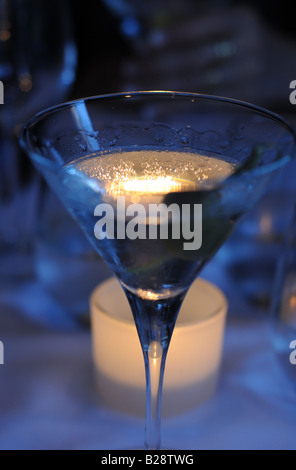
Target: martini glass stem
{"points": [[154, 367], [155, 321]]}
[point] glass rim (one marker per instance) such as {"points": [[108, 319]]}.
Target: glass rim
{"points": [[268, 167]]}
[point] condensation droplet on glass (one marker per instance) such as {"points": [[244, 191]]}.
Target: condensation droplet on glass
{"points": [[184, 139], [224, 144]]}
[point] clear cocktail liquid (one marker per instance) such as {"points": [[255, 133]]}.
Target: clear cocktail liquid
{"points": [[151, 268]]}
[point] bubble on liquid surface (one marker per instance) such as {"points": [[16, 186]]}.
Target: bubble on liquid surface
{"points": [[118, 168]]}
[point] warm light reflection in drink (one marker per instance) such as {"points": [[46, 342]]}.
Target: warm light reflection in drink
{"points": [[158, 185], [151, 185]]}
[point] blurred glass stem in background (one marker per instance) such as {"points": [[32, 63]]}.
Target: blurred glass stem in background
{"points": [[37, 66]]}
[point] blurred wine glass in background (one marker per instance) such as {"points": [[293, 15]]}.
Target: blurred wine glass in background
{"points": [[37, 67], [230, 48]]}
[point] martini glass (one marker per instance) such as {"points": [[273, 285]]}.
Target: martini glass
{"points": [[202, 161]]}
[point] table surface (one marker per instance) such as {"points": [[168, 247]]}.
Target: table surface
{"points": [[48, 398]]}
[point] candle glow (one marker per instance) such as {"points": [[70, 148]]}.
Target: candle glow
{"points": [[119, 370], [150, 185], [156, 185]]}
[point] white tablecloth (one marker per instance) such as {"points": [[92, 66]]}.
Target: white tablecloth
{"points": [[48, 398]]}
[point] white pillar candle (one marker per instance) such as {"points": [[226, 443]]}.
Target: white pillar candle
{"points": [[193, 359]]}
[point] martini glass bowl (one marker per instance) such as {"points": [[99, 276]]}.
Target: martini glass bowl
{"points": [[112, 158]]}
